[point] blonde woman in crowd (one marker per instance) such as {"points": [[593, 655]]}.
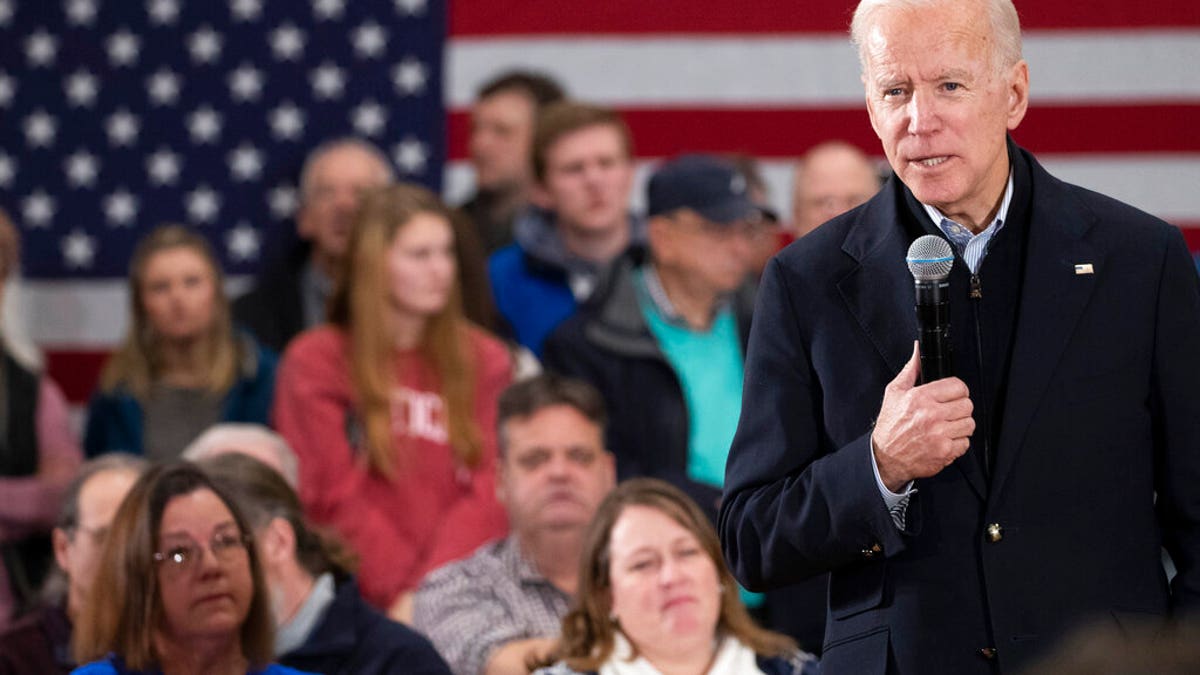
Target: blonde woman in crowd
{"points": [[181, 367], [391, 407]]}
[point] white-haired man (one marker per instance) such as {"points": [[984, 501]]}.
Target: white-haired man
{"points": [[968, 522]]}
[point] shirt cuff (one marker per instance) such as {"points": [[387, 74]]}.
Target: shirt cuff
{"points": [[896, 503]]}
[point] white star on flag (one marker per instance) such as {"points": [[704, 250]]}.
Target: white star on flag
{"points": [[81, 12], [82, 168], [370, 40], [120, 208], [409, 76], [163, 167], [410, 155], [123, 48], [282, 201], [328, 81], [41, 48], [8, 89], [38, 208], [122, 128], [204, 125], [6, 12], [287, 42], [242, 242], [246, 10], [163, 12], [410, 7], [245, 163], [205, 45], [369, 118], [328, 9], [8, 170], [287, 122], [81, 89], [40, 129], [78, 249], [163, 87], [202, 204], [246, 83]]}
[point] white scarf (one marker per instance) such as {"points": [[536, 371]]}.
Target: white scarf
{"points": [[733, 658]]}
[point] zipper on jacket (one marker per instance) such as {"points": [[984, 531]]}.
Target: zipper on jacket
{"points": [[976, 298]]}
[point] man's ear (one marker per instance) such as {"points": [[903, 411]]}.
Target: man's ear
{"points": [[1018, 94], [62, 544], [277, 541], [540, 197]]}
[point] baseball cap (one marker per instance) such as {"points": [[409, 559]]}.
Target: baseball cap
{"points": [[708, 185]]}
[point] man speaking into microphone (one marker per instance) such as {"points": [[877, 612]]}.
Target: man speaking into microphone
{"points": [[969, 521]]}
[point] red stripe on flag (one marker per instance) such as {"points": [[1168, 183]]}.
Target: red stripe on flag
{"points": [[76, 370], [775, 132], [636, 17], [1191, 234]]}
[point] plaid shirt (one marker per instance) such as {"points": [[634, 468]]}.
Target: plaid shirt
{"points": [[470, 607]]}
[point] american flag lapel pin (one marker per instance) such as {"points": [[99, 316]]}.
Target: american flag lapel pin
{"points": [[1084, 268]]}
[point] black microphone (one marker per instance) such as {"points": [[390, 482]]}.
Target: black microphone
{"points": [[930, 259]]}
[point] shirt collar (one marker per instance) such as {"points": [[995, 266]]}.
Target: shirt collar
{"points": [[959, 234]]}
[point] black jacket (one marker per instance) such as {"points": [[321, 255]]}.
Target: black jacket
{"points": [[609, 345], [355, 639]]}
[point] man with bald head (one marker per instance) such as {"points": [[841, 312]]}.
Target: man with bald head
{"points": [[967, 523], [832, 178], [290, 296]]}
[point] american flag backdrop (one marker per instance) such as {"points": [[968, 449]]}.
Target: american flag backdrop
{"points": [[1115, 106]]}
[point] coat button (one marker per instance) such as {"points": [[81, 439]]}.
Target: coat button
{"points": [[995, 533], [875, 550], [988, 653]]}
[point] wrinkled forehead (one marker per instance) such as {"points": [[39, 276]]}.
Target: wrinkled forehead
{"points": [[929, 42]]}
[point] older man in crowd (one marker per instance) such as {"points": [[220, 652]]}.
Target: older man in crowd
{"points": [[488, 614], [830, 179], [290, 295], [41, 641], [968, 522]]}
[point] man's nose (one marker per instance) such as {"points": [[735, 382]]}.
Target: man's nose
{"points": [[922, 114]]}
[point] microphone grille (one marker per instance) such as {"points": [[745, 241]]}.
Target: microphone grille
{"points": [[930, 258]]}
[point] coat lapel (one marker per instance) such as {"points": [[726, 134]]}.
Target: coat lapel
{"points": [[879, 293], [1052, 299]]}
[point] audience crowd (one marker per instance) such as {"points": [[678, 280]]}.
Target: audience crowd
{"points": [[356, 466]]}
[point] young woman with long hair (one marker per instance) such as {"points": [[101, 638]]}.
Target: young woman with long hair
{"points": [[181, 367], [391, 407]]}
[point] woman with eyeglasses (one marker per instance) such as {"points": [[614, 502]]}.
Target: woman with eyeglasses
{"points": [[179, 590]]}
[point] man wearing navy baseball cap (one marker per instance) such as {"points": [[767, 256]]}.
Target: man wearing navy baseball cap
{"points": [[664, 342]]}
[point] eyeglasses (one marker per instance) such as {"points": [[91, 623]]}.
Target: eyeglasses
{"points": [[183, 557]]}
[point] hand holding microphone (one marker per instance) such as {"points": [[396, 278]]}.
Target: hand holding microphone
{"points": [[922, 428]]}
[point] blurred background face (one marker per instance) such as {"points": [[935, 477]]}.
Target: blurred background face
{"points": [[665, 588], [588, 176], [335, 182], [78, 552], [501, 138], [179, 293], [830, 182], [210, 595], [555, 470], [705, 254], [421, 265]]}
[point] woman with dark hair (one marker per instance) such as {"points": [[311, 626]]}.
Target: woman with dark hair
{"points": [[391, 407], [322, 623], [181, 367], [655, 597], [179, 588]]}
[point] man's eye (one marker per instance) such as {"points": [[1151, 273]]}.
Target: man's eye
{"points": [[951, 86]]}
